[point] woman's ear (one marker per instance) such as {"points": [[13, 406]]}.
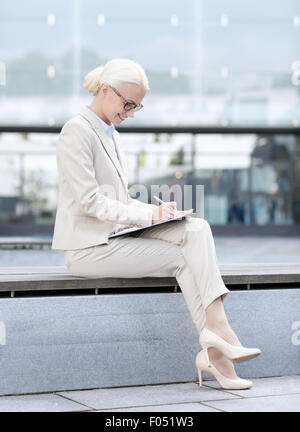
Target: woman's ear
{"points": [[104, 89]]}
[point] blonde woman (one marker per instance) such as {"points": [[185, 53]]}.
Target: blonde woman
{"points": [[94, 203]]}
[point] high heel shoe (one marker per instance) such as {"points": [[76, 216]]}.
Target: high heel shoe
{"points": [[203, 363], [235, 353]]}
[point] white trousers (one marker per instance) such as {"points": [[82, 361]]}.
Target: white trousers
{"points": [[184, 249]]}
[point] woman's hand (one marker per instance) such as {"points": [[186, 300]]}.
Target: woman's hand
{"points": [[164, 212], [170, 211]]}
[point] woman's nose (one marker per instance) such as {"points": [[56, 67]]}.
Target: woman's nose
{"points": [[130, 113]]}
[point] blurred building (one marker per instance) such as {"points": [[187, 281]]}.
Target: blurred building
{"points": [[210, 64]]}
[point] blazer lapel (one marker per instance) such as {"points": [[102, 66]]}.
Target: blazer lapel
{"points": [[91, 117], [121, 154]]}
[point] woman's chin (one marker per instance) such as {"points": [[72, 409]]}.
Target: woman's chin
{"points": [[120, 119], [116, 121]]}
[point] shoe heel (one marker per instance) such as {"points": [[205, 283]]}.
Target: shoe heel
{"points": [[207, 357], [200, 377]]}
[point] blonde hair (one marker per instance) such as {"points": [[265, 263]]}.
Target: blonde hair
{"points": [[116, 72]]}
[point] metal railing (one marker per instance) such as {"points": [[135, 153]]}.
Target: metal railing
{"points": [[195, 130]]}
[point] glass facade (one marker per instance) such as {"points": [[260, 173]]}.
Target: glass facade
{"points": [[209, 62], [246, 179]]}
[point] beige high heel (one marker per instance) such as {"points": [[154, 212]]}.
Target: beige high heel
{"points": [[203, 363], [235, 353]]}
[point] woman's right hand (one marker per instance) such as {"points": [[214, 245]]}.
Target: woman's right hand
{"points": [[164, 212]]}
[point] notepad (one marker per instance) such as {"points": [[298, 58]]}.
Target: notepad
{"points": [[184, 214]]}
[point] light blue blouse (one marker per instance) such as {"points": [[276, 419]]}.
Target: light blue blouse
{"points": [[109, 130]]}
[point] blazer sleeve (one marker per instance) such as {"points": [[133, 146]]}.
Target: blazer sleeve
{"points": [[137, 203], [75, 165]]}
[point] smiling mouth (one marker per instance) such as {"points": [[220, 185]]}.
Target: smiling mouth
{"points": [[120, 117]]}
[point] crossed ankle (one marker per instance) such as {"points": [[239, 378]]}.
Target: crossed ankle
{"points": [[225, 331], [215, 354], [217, 324]]}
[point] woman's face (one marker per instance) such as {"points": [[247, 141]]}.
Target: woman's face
{"points": [[113, 105]]}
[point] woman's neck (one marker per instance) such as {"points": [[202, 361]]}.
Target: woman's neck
{"points": [[96, 108]]}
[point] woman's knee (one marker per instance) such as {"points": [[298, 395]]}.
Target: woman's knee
{"points": [[197, 224], [71, 257]]}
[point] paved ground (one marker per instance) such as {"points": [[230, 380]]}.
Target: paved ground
{"points": [[276, 394], [229, 250]]}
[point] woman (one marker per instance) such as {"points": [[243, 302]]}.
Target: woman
{"points": [[94, 202]]}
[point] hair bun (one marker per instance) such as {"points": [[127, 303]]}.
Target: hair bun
{"points": [[92, 80]]}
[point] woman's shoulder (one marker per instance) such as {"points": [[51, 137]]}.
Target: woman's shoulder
{"points": [[77, 124]]}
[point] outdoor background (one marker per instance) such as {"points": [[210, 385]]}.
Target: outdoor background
{"points": [[231, 66]]}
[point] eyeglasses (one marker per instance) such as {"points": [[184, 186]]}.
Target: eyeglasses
{"points": [[128, 105]]}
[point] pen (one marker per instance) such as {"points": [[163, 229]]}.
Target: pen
{"points": [[159, 200], [182, 211]]}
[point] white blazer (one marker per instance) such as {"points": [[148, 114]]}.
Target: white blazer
{"points": [[93, 198]]}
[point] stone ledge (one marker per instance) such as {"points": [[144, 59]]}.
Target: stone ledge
{"points": [[59, 278], [91, 341]]}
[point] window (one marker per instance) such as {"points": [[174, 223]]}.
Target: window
{"points": [[209, 62]]}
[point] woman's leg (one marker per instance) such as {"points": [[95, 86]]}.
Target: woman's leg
{"points": [[199, 278], [217, 322], [125, 257], [184, 249], [205, 300]]}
